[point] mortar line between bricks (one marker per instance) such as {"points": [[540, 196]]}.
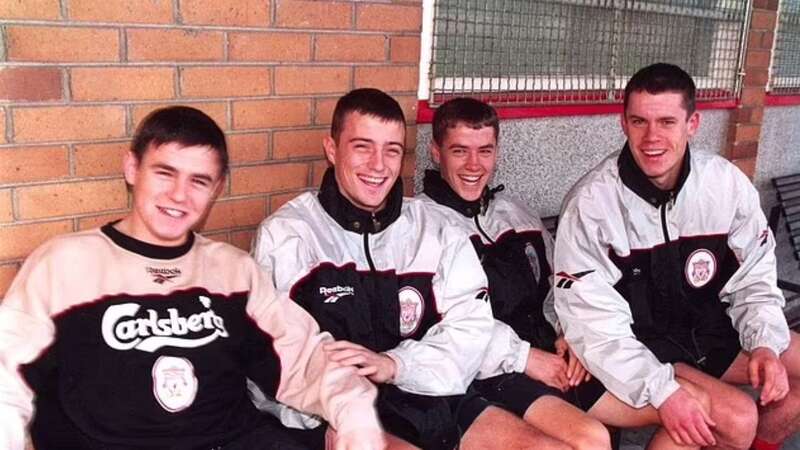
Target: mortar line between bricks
{"points": [[63, 9], [209, 63], [9, 126], [3, 44]]}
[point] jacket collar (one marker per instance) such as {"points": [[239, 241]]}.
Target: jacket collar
{"points": [[146, 249], [636, 180], [437, 189], [355, 219]]}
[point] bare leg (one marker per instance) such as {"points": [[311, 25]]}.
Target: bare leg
{"points": [[549, 414], [778, 420], [496, 428]]}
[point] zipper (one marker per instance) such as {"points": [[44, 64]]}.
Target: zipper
{"points": [[373, 302], [478, 224], [664, 207]]}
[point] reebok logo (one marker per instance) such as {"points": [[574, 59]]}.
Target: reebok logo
{"points": [[123, 330], [333, 294], [161, 276], [567, 279]]}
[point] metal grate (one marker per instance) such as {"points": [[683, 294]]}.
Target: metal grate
{"points": [[785, 75], [512, 52]]}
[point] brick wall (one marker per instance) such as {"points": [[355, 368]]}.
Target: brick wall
{"points": [[76, 76], [746, 120]]}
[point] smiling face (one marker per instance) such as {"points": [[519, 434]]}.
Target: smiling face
{"points": [[173, 187], [467, 159], [658, 128], [366, 159]]}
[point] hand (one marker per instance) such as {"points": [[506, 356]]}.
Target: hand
{"points": [[357, 439], [377, 367], [768, 372], [549, 368], [685, 420], [576, 373]]}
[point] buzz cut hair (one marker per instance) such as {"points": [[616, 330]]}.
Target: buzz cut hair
{"points": [[659, 78], [369, 102], [463, 111]]}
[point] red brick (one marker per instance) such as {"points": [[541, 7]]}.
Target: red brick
{"points": [[353, 47], [58, 123], [30, 9], [271, 113], [248, 147], [278, 200], [226, 12], [298, 144], [123, 83], [409, 104], [224, 81], [236, 214], [269, 178], [388, 17], [93, 160], [757, 117], [753, 96], [411, 138], [7, 274], [60, 44], [763, 20], [125, 11], [756, 77], [30, 84], [746, 165], [269, 46], [214, 110], [6, 207], [87, 223], [757, 59], [323, 110], [242, 239], [219, 236], [387, 78], [747, 149], [408, 187], [2, 125], [409, 164], [745, 133], [175, 45], [313, 14], [404, 49], [37, 202], [318, 169], [17, 241], [23, 164], [311, 80]]}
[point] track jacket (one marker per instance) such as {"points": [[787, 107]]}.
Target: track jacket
{"points": [[148, 347], [635, 263], [515, 251], [404, 281]]}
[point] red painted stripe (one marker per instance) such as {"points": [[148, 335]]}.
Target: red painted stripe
{"points": [[782, 100], [425, 112]]}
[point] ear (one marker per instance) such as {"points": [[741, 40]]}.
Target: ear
{"points": [[623, 123], [220, 186], [693, 124], [330, 149], [436, 154], [130, 167]]}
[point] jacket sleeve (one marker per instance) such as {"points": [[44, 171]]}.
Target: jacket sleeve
{"points": [[26, 330], [596, 318], [756, 302], [309, 381], [447, 358], [548, 305], [506, 353]]}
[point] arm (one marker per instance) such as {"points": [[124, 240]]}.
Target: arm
{"points": [[506, 353], [596, 318], [309, 381], [756, 302], [447, 358], [25, 331]]}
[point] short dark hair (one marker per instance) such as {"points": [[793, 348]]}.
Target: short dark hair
{"points": [[367, 101], [662, 77], [181, 124], [464, 110]]}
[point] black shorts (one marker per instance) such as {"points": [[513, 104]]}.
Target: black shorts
{"points": [[431, 423], [710, 352], [516, 392], [273, 435]]}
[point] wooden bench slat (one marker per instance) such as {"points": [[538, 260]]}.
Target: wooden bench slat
{"points": [[780, 181], [787, 196]]}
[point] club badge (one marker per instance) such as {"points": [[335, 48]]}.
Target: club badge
{"points": [[174, 383], [411, 306], [701, 266]]}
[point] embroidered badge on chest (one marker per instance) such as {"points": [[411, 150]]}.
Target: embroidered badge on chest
{"points": [[174, 383], [411, 307], [701, 266]]}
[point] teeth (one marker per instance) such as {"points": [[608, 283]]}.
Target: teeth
{"points": [[470, 179], [372, 180], [173, 212], [654, 152]]}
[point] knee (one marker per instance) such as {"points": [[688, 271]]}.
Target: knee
{"points": [[741, 421], [591, 435]]}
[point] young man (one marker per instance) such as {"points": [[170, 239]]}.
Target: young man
{"points": [[140, 334], [666, 268], [396, 283], [525, 370]]}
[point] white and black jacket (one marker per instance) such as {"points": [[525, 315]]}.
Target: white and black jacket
{"points": [[515, 251], [404, 281], [633, 262]]}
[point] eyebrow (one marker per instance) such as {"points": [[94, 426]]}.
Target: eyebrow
{"points": [[171, 169], [360, 139]]}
